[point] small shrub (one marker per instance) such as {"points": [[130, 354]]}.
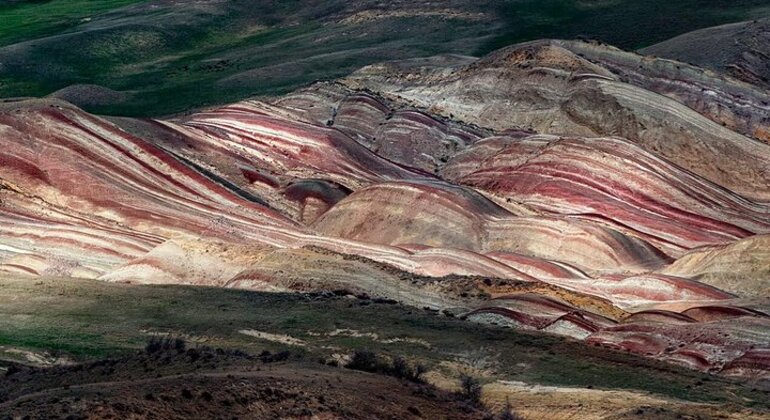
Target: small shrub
{"points": [[419, 370], [267, 357], [364, 360], [154, 345], [12, 370], [399, 367], [403, 370], [507, 412], [470, 390], [179, 344], [158, 344]]}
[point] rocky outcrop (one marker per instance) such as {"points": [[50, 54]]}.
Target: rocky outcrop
{"points": [[589, 178], [401, 134], [547, 87], [742, 267]]}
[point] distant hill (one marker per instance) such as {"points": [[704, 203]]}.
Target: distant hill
{"points": [[162, 57], [741, 50]]}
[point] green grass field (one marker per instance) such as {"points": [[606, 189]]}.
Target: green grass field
{"points": [[170, 59], [85, 319], [24, 20]]}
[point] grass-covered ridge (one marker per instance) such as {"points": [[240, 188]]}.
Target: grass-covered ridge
{"points": [[167, 57], [24, 20], [85, 319]]}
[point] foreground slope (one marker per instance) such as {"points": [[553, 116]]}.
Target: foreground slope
{"points": [[542, 376]]}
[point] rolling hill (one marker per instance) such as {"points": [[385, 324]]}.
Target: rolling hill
{"points": [[159, 57]]}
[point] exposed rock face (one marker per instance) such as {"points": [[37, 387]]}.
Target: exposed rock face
{"points": [[557, 186], [742, 267], [588, 178], [407, 136], [442, 215], [547, 87], [727, 101]]}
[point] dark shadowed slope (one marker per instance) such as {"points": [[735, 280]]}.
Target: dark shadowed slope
{"points": [[741, 50], [161, 56]]}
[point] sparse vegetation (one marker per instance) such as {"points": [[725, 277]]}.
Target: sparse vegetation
{"points": [[364, 360], [12, 370], [367, 361], [470, 390], [94, 319], [507, 413], [403, 369], [268, 357], [213, 384], [162, 344], [252, 48]]}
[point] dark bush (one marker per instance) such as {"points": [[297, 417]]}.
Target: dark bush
{"points": [[419, 370], [470, 390], [507, 412], [402, 369], [12, 370], [267, 357], [158, 344], [180, 345], [367, 361], [364, 360]]}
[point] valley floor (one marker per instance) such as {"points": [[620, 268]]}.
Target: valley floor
{"points": [[61, 323]]}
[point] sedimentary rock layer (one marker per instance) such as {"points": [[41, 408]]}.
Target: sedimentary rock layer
{"points": [[589, 178], [742, 267], [549, 88], [563, 187]]}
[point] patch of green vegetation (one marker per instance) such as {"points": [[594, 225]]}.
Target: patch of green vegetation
{"points": [[171, 58], [23, 20], [87, 319], [53, 342]]}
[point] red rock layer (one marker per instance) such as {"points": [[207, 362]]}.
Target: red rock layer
{"points": [[407, 136], [438, 214], [257, 148], [735, 343], [109, 192], [549, 88], [38, 238], [332, 188], [540, 313], [611, 181]]}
